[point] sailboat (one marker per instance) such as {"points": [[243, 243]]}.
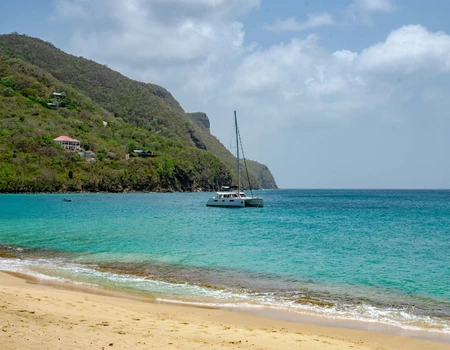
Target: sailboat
{"points": [[234, 196]]}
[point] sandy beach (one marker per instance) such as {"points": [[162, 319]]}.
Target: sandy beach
{"points": [[39, 316]]}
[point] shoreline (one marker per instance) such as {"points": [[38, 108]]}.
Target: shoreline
{"points": [[42, 314], [161, 190]]}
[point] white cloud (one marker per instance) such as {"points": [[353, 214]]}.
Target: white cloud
{"points": [[149, 30], [69, 9], [167, 10], [302, 85], [305, 86], [357, 11], [362, 10], [181, 43], [371, 6], [314, 20], [211, 9], [409, 50]]}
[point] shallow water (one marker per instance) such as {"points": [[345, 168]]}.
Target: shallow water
{"points": [[374, 256]]}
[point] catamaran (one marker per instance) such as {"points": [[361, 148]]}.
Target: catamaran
{"points": [[234, 196]]}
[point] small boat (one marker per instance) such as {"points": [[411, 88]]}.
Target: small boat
{"points": [[234, 196], [67, 200]]}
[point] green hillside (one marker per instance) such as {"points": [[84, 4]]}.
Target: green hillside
{"points": [[111, 115], [260, 175], [30, 161]]}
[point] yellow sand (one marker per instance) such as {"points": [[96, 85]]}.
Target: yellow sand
{"points": [[35, 316]]}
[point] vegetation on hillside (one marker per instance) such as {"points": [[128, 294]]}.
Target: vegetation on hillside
{"points": [[147, 106], [138, 116], [30, 161]]}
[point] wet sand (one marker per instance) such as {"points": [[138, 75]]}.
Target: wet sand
{"points": [[39, 316]]}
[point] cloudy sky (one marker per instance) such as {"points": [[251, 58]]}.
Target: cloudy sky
{"points": [[329, 93]]}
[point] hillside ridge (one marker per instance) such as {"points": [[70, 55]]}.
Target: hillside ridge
{"points": [[148, 107]]}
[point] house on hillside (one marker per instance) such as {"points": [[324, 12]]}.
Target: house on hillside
{"points": [[57, 100], [144, 153], [53, 104], [68, 143]]}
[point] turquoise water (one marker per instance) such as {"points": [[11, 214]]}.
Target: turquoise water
{"points": [[373, 256]]}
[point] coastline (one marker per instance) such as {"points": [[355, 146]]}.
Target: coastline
{"points": [[59, 315]]}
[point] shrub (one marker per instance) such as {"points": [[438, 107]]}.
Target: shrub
{"points": [[8, 81], [29, 92]]}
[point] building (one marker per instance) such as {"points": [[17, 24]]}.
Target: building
{"points": [[53, 104], [68, 143], [144, 153]]}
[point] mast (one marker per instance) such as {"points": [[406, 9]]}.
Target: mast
{"points": [[237, 154]]}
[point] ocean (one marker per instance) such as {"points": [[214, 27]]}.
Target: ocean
{"points": [[379, 257]]}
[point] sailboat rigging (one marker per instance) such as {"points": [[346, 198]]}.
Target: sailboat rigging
{"points": [[235, 196]]}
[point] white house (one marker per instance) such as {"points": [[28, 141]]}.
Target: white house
{"points": [[68, 143]]}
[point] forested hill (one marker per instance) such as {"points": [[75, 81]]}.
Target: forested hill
{"points": [[112, 116]]}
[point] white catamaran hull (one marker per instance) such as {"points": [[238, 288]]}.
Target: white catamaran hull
{"points": [[254, 202], [226, 202]]}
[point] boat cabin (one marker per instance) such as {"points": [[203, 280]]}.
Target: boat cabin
{"points": [[230, 194]]}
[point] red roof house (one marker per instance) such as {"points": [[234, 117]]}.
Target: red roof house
{"points": [[68, 143]]}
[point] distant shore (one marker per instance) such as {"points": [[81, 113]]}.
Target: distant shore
{"points": [[41, 316], [112, 192], [158, 190]]}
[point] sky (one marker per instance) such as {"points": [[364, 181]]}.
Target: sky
{"points": [[329, 93]]}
